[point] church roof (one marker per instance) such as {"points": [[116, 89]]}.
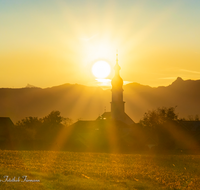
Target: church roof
{"points": [[99, 124], [5, 122], [105, 115], [108, 116], [84, 124], [102, 135], [6, 127]]}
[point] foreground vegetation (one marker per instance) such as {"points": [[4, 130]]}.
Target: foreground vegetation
{"points": [[160, 126], [67, 170]]}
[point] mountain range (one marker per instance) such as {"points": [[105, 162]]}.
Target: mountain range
{"points": [[84, 102]]}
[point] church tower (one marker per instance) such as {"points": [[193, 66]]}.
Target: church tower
{"points": [[117, 104]]}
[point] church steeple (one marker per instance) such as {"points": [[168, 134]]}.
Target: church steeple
{"points": [[117, 67], [117, 104], [117, 81]]}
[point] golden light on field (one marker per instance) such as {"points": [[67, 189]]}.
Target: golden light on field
{"points": [[101, 69]]}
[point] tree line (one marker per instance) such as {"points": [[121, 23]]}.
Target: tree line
{"points": [[160, 126], [43, 129], [165, 129]]}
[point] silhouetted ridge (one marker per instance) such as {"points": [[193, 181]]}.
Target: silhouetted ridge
{"points": [[186, 85], [179, 81], [78, 101], [137, 86], [30, 86]]}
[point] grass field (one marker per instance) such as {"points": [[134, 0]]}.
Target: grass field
{"points": [[67, 170]]}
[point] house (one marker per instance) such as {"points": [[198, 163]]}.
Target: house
{"points": [[6, 132]]}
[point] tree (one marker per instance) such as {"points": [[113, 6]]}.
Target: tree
{"points": [[27, 128], [54, 119], [154, 118], [29, 122], [158, 124], [41, 128], [192, 118]]}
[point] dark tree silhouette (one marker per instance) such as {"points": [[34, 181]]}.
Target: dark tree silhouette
{"points": [[28, 128], [53, 119], [158, 124], [29, 122], [33, 128], [154, 118]]}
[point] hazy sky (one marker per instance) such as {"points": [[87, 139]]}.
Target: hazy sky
{"points": [[52, 42]]}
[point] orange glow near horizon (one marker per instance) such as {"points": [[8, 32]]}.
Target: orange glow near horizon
{"points": [[56, 44]]}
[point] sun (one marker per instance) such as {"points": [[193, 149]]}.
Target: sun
{"points": [[101, 69]]}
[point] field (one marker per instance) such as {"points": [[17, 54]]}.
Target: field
{"points": [[68, 170]]}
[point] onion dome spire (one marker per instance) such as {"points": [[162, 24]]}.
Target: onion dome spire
{"points": [[117, 67], [117, 81]]}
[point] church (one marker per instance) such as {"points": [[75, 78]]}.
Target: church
{"points": [[117, 105], [111, 132], [117, 112]]}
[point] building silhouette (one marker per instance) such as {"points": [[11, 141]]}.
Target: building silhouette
{"points": [[110, 132], [6, 133], [117, 105]]}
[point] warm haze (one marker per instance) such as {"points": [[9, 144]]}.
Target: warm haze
{"points": [[48, 43]]}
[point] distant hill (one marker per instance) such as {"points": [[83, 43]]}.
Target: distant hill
{"points": [[183, 94], [84, 102]]}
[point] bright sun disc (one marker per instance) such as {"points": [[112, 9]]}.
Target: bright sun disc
{"points": [[101, 69]]}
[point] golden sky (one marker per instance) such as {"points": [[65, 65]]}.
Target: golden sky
{"points": [[48, 43]]}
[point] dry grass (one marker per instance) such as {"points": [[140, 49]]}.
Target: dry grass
{"points": [[67, 170]]}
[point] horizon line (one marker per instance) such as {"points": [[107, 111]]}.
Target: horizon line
{"points": [[104, 87]]}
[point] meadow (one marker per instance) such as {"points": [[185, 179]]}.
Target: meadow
{"points": [[72, 170]]}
